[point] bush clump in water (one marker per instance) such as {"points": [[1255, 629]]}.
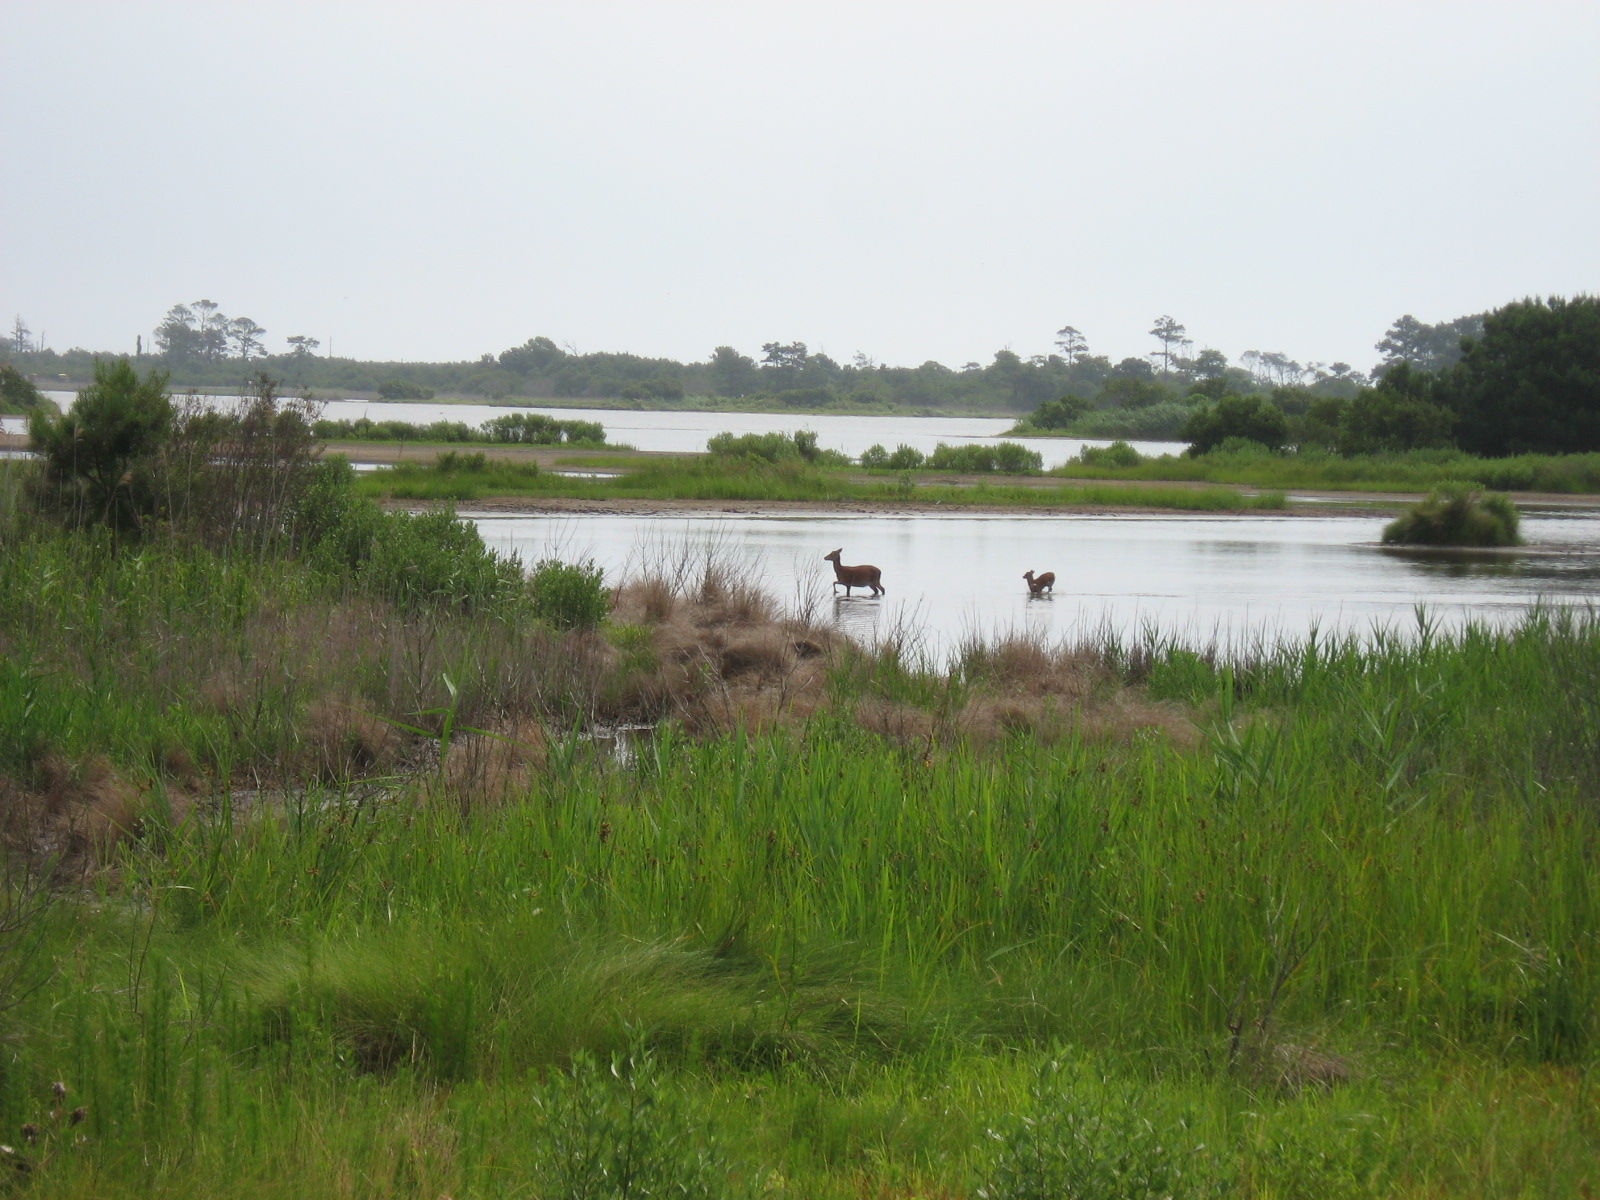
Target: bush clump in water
{"points": [[1456, 515]]}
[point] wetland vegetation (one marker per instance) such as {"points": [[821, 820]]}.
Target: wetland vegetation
{"points": [[328, 871]]}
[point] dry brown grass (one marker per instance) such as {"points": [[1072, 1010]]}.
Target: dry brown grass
{"points": [[495, 765], [1291, 1066], [649, 601], [722, 653], [902, 723], [343, 740], [76, 813]]}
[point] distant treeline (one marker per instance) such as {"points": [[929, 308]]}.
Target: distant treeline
{"points": [[1437, 385], [200, 347]]}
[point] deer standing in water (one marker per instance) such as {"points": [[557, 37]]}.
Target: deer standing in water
{"points": [[853, 577], [1040, 584]]}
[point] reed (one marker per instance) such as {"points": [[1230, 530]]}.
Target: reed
{"points": [[1322, 908]]}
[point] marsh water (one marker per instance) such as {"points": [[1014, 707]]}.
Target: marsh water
{"points": [[1238, 580]]}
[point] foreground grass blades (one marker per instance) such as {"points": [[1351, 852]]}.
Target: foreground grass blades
{"points": [[1312, 954], [314, 889]]}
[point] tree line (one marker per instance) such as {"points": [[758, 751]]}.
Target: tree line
{"points": [[1524, 379], [199, 345], [1415, 397]]}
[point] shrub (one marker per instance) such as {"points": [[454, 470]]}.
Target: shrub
{"points": [[1248, 417], [431, 560], [904, 458], [1117, 454], [100, 457], [1087, 1134], [569, 596], [17, 392], [234, 479], [1456, 514], [399, 389], [613, 1130], [1058, 414], [768, 447], [1011, 458], [586, 432]]}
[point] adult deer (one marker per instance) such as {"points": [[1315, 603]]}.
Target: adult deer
{"points": [[1040, 584], [853, 577]]}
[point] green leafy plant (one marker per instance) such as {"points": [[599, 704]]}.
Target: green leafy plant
{"points": [[569, 596], [1117, 454], [612, 1130], [1088, 1136], [100, 457]]}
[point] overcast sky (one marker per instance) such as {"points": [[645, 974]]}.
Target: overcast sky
{"points": [[434, 181]]}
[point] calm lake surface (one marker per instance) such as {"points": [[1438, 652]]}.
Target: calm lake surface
{"points": [[686, 432], [1232, 580]]}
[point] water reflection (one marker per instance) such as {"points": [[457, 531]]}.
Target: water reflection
{"points": [[858, 618]]}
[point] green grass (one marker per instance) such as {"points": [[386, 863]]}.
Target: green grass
{"points": [[706, 479], [1416, 471], [1335, 935]]}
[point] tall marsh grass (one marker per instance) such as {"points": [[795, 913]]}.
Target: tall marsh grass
{"points": [[1369, 864], [1309, 918]]}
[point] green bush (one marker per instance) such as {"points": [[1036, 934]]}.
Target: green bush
{"points": [[569, 596], [903, 458], [100, 458], [1118, 454], [1086, 1134], [1013, 458], [775, 448], [613, 1130], [1247, 417], [332, 527], [17, 392], [1456, 514], [1009, 458], [1058, 414], [431, 560]]}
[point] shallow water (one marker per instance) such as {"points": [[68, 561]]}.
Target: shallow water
{"points": [[1232, 580]]}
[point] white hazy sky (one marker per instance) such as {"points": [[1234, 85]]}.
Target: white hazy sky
{"points": [[916, 181]]}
